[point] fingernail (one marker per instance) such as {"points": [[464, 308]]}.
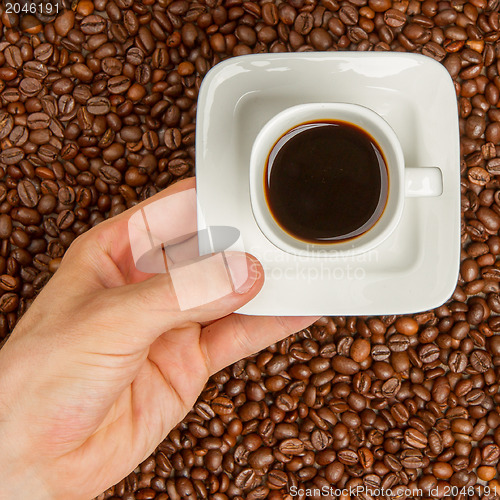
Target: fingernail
{"points": [[242, 277]]}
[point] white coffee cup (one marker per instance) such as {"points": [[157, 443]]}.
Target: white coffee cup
{"points": [[403, 181]]}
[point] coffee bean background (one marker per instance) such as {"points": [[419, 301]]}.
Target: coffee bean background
{"points": [[97, 113]]}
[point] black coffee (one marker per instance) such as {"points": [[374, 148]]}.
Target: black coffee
{"points": [[326, 181]]}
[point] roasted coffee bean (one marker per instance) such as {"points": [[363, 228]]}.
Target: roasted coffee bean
{"points": [[490, 454], [411, 459], [66, 195], [400, 412], [173, 138], [246, 479], [98, 106], [131, 134], [35, 69], [429, 353], [110, 175], [406, 326], [279, 479], [394, 18], [480, 360], [38, 121], [40, 136], [347, 457], [93, 24], [118, 84], [415, 438], [344, 365], [478, 175], [30, 87], [112, 66], [391, 387], [8, 302], [27, 193], [270, 14], [319, 439], [457, 362], [150, 140], [222, 406], [474, 397], [303, 23], [349, 15], [380, 352], [13, 56], [66, 105], [360, 350], [398, 343], [261, 458], [434, 50], [291, 446], [5, 226], [47, 153], [6, 124], [11, 156], [65, 219], [9, 283]]}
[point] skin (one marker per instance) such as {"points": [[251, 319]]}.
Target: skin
{"points": [[104, 364]]}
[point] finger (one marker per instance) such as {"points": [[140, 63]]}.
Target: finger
{"points": [[237, 336], [135, 315], [170, 221], [105, 252]]}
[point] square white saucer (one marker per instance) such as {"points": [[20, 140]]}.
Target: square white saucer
{"points": [[416, 268]]}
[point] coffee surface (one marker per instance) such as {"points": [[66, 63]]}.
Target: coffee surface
{"points": [[326, 181]]}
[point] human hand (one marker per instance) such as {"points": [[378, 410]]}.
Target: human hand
{"points": [[105, 363]]}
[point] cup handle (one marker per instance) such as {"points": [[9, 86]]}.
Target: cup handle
{"points": [[423, 182]]}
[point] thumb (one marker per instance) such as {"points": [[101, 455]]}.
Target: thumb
{"points": [[201, 290]]}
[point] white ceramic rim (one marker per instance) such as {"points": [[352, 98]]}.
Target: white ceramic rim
{"points": [[377, 128], [415, 94]]}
